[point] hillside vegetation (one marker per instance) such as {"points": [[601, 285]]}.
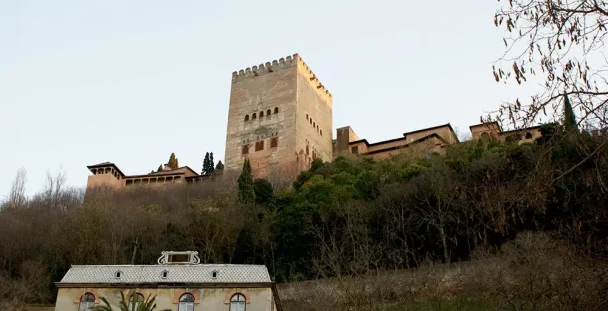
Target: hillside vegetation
{"points": [[354, 218]]}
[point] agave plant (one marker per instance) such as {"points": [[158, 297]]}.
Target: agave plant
{"points": [[133, 305]]}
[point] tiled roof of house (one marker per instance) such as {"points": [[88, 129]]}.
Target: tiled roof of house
{"points": [[198, 273]]}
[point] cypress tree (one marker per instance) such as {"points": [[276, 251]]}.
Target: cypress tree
{"points": [[173, 163], [246, 190], [211, 164], [220, 166], [205, 170], [569, 117]]}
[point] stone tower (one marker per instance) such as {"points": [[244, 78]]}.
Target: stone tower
{"points": [[280, 117]]}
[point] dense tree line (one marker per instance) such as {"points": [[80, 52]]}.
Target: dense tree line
{"points": [[348, 217]]}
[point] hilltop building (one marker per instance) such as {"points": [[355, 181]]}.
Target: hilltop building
{"points": [[179, 282], [433, 139], [280, 118]]}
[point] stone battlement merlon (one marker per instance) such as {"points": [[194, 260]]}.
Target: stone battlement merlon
{"points": [[265, 68], [313, 79], [279, 64]]}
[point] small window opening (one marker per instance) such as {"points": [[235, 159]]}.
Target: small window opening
{"points": [[259, 145], [274, 142], [355, 150], [307, 116], [314, 124], [245, 149], [247, 117], [268, 113], [214, 274], [253, 116], [276, 109], [321, 132], [118, 274], [261, 114], [165, 274], [310, 120]]}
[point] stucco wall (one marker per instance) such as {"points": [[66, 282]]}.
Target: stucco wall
{"points": [[206, 299]]}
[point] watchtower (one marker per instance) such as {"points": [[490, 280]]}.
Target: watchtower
{"points": [[280, 117]]}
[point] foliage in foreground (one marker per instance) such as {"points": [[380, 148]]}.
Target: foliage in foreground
{"points": [[347, 218]]}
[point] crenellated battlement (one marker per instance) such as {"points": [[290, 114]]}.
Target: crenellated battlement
{"points": [[265, 68], [313, 78], [280, 64]]}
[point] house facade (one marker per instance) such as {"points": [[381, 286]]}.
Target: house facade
{"points": [[179, 282]]}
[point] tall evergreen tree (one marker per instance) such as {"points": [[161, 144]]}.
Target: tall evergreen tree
{"points": [[569, 117], [211, 164], [205, 170], [173, 163], [220, 166], [246, 190]]}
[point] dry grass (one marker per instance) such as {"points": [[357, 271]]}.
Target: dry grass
{"points": [[534, 272]]}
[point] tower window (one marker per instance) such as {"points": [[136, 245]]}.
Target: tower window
{"points": [[259, 145], [314, 124], [117, 274], [310, 120], [274, 142], [355, 150], [246, 117], [245, 149], [276, 109], [307, 150], [307, 116], [268, 113], [165, 273], [214, 274], [321, 132], [253, 116], [261, 114]]}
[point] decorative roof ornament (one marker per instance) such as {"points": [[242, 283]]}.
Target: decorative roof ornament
{"points": [[184, 257]]}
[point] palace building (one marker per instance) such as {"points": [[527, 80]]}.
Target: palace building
{"points": [[280, 118]]}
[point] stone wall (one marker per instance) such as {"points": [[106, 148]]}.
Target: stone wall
{"points": [[276, 143]]}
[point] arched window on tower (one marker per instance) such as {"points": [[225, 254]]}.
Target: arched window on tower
{"points": [[276, 109], [245, 149], [274, 142], [268, 113], [261, 114], [253, 116], [246, 117]]}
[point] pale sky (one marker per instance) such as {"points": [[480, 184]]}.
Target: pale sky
{"points": [[83, 82]]}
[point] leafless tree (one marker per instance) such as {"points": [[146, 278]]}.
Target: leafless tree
{"points": [[17, 195], [560, 42]]}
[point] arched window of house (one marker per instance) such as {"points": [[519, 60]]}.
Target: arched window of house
{"points": [[253, 116], [261, 114], [246, 117], [135, 300], [237, 303], [268, 113], [276, 109], [186, 302], [87, 302]]}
